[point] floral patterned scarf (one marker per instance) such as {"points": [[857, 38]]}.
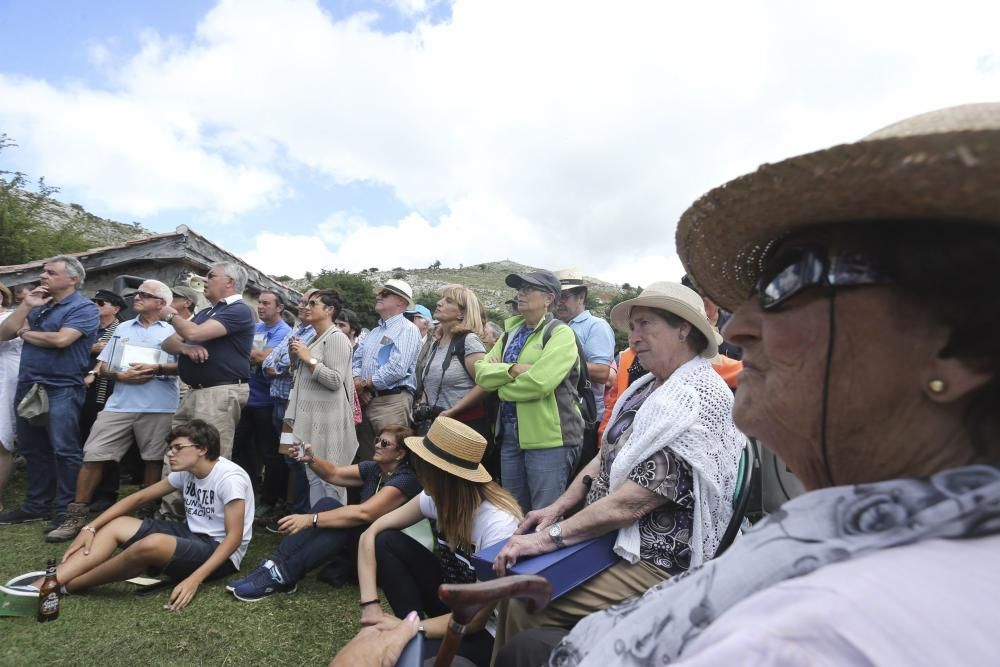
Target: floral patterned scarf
{"points": [[807, 533]]}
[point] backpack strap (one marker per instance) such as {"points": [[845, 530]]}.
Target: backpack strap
{"points": [[456, 349]]}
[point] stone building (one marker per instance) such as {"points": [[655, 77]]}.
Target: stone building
{"points": [[180, 257]]}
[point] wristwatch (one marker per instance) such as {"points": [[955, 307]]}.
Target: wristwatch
{"points": [[555, 532], [313, 363], [169, 317]]}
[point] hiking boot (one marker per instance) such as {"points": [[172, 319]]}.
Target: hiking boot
{"points": [[265, 580], [74, 519], [20, 516]]}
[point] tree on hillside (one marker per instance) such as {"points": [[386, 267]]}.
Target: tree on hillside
{"points": [[627, 292], [428, 298], [24, 234], [355, 289]]}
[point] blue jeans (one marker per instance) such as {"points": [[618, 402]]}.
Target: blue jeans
{"points": [[536, 477], [307, 549], [53, 452], [296, 469]]}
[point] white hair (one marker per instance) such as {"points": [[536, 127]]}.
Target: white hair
{"points": [[74, 269], [159, 289], [236, 272]]}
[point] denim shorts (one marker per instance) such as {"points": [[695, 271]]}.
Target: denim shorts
{"points": [[191, 552]]}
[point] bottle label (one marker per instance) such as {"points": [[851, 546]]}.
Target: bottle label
{"points": [[51, 603]]}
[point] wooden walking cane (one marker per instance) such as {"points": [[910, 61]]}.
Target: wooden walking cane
{"points": [[466, 600]]}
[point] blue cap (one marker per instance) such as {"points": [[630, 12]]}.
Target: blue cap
{"points": [[421, 311]]}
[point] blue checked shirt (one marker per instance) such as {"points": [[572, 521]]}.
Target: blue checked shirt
{"points": [[388, 355], [279, 360]]}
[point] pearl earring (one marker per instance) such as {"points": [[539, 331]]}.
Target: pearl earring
{"points": [[936, 386]]}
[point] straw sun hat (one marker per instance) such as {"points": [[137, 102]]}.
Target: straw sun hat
{"points": [[453, 447], [673, 298], [942, 165]]}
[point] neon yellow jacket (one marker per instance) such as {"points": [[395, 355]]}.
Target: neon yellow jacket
{"points": [[548, 411]]}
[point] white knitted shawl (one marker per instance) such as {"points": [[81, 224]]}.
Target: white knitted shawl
{"points": [[691, 414]]}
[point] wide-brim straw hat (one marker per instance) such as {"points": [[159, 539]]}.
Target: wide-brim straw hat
{"points": [[674, 298], [453, 447], [942, 166]]}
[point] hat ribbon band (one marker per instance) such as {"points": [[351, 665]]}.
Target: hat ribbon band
{"points": [[448, 456]]}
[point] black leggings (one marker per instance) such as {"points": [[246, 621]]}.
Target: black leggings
{"points": [[410, 575]]}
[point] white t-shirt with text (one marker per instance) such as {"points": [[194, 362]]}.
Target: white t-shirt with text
{"points": [[205, 501]]}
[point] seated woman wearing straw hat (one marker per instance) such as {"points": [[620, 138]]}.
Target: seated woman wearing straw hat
{"points": [[862, 282], [665, 476], [469, 512]]}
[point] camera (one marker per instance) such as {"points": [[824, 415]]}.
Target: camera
{"points": [[423, 412]]}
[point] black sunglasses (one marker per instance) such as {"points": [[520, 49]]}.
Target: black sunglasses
{"points": [[147, 295], [796, 270], [100, 302], [382, 442], [386, 294]]}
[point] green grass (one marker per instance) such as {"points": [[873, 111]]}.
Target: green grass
{"points": [[110, 626]]}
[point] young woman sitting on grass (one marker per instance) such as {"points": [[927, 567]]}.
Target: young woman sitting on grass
{"points": [[332, 529], [210, 544], [469, 512]]}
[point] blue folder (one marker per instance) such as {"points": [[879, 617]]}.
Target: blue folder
{"points": [[565, 569]]}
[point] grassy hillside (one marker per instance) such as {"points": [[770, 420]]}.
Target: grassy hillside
{"points": [[486, 280]]}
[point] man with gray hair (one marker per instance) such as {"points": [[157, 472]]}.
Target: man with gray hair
{"points": [[213, 349], [139, 410], [58, 326], [213, 360]]}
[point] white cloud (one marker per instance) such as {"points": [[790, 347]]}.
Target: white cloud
{"points": [[553, 133]]}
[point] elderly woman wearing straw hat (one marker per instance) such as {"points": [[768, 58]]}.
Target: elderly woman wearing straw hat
{"points": [[10, 360], [469, 512], [862, 280], [666, 473]]}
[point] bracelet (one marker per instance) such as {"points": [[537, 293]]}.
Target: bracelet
{"points": [[90, 528], [365, 604], [315, 519]]}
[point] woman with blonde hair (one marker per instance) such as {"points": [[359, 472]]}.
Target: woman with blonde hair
{"points": [[446, 366], [468, 511]]}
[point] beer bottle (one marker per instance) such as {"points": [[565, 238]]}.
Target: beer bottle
{"points": [[48, 595]]}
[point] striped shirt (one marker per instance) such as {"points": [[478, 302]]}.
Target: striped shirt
{"points": [[280, 362], [388, 355]]}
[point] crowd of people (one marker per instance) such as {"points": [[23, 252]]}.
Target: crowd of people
{"points": [[856, 289]]}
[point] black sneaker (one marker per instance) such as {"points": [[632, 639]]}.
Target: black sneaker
{"points": [[102, 503], [20, 516]]}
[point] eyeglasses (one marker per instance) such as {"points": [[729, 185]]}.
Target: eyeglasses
{"points": [[176, 449], [525, 289], [797, 270], [147, 295], [100, 302], [382, 442], [385, 294]]}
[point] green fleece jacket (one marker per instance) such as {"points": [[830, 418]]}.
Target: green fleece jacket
{"points": [[548, 410]]}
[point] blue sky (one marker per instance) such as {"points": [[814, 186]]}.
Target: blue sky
{"points": [[305, 134]]}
